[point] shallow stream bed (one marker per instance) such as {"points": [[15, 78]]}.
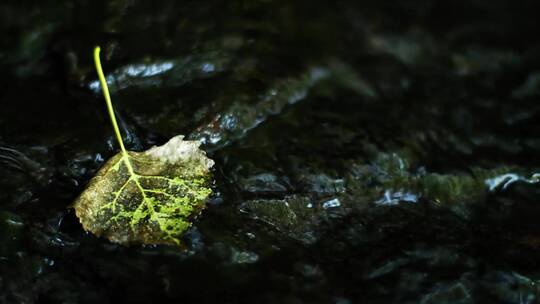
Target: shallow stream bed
{"points": [[366, 151]]}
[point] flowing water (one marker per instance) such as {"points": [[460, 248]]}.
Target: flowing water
{"points": [[366, 151]]}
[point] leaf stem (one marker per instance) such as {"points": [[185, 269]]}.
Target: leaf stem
{"points": [[105, 90]]}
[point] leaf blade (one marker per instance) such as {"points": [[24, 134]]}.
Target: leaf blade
{"points": [[153, 204]]}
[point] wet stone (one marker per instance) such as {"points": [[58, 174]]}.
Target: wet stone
{"points": [[291, 216], [12, 227], [449, 293], [264, 183], [322, 184], [365, 152], [511, 287], [244, 257]]}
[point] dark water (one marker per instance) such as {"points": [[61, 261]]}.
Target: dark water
{"points": [[366, 151]]}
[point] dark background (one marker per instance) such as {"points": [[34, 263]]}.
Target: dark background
{"points": [[354, 141]]}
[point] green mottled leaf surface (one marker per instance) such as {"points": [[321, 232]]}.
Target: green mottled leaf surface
{"points": [[152, 203]]}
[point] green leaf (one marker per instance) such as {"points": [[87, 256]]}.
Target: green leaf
{"points": [[155, 202], [146, 197]]}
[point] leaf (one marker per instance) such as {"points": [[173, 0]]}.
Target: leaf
{"points": [[154, 201], [146, 197]]}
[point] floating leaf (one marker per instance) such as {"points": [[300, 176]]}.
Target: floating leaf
{"points": [[145, 197]]}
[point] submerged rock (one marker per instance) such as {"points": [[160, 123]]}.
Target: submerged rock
{"points": [[12, 227], [165, 73], [365, 151]]}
